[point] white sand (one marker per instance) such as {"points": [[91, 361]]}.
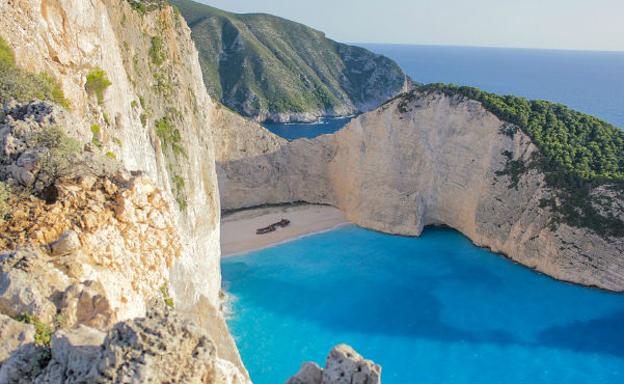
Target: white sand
{"points": [[238, 230]]}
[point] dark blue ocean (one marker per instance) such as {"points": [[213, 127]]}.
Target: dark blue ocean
{"points": [[436, 309], [591, 82]]}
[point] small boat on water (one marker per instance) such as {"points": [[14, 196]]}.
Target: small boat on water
{"points": [[273, 227]]}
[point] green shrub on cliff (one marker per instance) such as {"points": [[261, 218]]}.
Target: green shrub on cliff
{"points": [[60, 156], [157, 51], [43, 332], [21, 85], [145, 6], [164, 291], [169, 135], [97, 83]]}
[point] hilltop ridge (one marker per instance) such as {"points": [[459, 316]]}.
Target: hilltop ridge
{"points": [[270, 68]]}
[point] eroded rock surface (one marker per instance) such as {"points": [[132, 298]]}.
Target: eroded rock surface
{"points": [[13, 336], [160, 348], [155, 118], [343, 366]]}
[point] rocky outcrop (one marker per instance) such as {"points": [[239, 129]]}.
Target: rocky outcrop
{"points": [[343, 366], [431, 159], [69, 39], [155, 349], [108, 237], [13, 336]]}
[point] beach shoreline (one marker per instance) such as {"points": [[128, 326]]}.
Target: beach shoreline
{"points": [[238, 229]]}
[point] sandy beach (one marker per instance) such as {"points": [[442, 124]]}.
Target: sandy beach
{"points": [[238, 230]]}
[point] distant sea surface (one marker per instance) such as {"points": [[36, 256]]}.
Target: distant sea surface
{"points": [[591, 82]]}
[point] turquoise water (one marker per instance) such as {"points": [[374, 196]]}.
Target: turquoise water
{"points": [[430, 310], [592, 82]]}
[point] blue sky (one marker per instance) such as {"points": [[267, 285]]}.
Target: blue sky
{"points": [[559, 24]]}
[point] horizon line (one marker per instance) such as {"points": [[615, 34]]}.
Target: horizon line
{"points": [[487, 47]]}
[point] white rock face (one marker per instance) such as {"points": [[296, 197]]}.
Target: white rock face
{"points": [[68, 39], [437, 164], [156, 118]]}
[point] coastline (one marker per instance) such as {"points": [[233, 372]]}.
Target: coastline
{"points": [[238, 229]]}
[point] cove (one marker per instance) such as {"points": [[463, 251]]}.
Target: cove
{"points": [[434, 309], [293, 131]]}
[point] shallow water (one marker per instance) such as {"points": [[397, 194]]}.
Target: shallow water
{"points": [[434, 309]]}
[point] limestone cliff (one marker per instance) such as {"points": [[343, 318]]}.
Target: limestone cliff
{"points": [[132, 80], [432, 159]]}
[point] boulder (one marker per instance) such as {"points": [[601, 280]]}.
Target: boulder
{"points": [[27, 283], [343, 366], [87, 304], [310, 373], [13, 336], [68, 243], [74, 354], [25, 364]]}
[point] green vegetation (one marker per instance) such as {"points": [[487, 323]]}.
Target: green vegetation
{"points": [[578, 154], [164, 291], [157, 51], [97, 83], [145, 6], [179, 192], [43, 332], [18, 84], [169, 136], [111, 155], [95, 130], [257, 62], [62, 149], [583, 145]]}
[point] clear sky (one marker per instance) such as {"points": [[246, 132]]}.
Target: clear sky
{"points": [[559, 24]]}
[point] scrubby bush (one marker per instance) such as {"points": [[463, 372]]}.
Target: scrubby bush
{"points": [[157, 51], [43, 332], [21, 85], [169, 136], [57, 161], [95, 130], [164, 291], [145, 6], [97, 83], [179, 191]]}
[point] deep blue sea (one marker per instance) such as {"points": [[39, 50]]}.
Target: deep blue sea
{"points": [[430, 310], [591, 82]]}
